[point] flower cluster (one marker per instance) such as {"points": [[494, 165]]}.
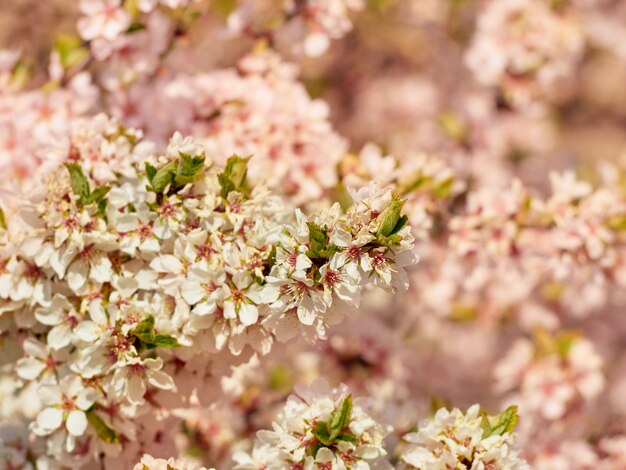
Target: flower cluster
{"points": [[525, 46], [161, 296], [257, 108], [150, 463], [132, 37], [132, 254], [306, 26], [319, 428], [470, 440], [324, 429], [554, 377], [319, 21], [34, 124]]}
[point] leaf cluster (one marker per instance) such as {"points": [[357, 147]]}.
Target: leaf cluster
{"points": [[80, 187], [318, 243], [144, 332], [175, 174], [335, 429]]}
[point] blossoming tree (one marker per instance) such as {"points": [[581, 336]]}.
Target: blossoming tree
{"points": [[313, 235]]}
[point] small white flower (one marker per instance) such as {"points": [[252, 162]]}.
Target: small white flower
{"points": [[64, 408], [132, 375]]}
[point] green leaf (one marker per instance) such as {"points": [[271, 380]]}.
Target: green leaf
{"points": [[348, 437], [314, 448], [145, 330], [189, 169], [102, 208], [70, 50], [389, 241], [134, 27], [104, 432], [234, 176], [402, 222], [20, 75], [150, 172], [97, 195], [3, 221], [436, 403], [279, 378], [380, 6], [165, 341], [565, 341], [444, 189], [463, 312], [132, 7], [390, 217], [318, 238], [329, 251], [79, 182], [415, 184], [617, 223], [169, 467], [453, 126], [340, 418], [321, 433], [163, 177], [224, 7], [500, 424]]}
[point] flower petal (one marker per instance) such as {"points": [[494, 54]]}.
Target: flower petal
{"points": [[248, 314], [76, 422], [50, 419], [59, 336]]}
